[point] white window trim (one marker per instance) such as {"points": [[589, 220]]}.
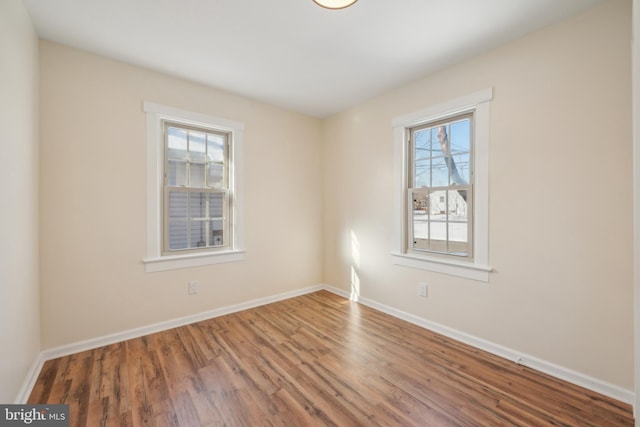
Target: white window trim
{"points": [[154, 260], [479, 268]]}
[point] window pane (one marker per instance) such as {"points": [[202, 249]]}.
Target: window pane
{"points": [[438, 205], [437, 221], [458, 239], [422, 159], [177, 143], [442, 134], [438, 230], [196, 174], [215, 175], [460, 169], [457, 205], [458, 232], [197, 146], [438, 245], [198, 205], [178, 205], [198, 231], [420, 217], [422, 177], [177, 174], [216, 205], [215, 147], [460, 136], [458, 223], [217, 234], [177, 235], [439, 172]]}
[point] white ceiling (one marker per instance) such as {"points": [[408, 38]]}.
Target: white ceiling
{"points": [[292, 53]]}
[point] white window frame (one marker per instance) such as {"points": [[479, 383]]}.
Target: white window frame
{"points": [[154, 259], [478, 268]]}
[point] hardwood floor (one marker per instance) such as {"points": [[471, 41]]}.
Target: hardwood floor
{"points": [[313, 360]]}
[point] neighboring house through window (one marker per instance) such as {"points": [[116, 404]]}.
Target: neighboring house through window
{"points": [[194, 182], [441, 201]]}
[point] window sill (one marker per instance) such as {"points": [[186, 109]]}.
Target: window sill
{"points": [[472, 271], [174, 262]]}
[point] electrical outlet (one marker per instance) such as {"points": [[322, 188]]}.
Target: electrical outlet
{"points": [[422, 290], [193, 287]]}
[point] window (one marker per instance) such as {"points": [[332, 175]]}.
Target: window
{"points": [[194, 189], [441, 188]]}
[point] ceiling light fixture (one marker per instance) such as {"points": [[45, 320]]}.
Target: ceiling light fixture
{"points": [[335, 4]]}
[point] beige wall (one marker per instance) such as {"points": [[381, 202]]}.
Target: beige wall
{"points": [[19, 300], [560, 198], [93, 200], [636, 193]]}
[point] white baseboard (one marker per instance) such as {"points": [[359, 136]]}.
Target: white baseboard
{"points": [[560, 372], [532, 362], [92, 343], [30, 380]]}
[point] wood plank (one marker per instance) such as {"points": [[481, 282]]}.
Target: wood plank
{"points": [[46, 379], [317, 359]]}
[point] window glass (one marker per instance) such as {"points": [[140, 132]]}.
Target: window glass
{"points": [[196, 193], [440, 187], [178, 233], [178, 205], [197, 146], [215, 148]]}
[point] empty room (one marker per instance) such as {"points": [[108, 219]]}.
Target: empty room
{"points": [[320, 212]]}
